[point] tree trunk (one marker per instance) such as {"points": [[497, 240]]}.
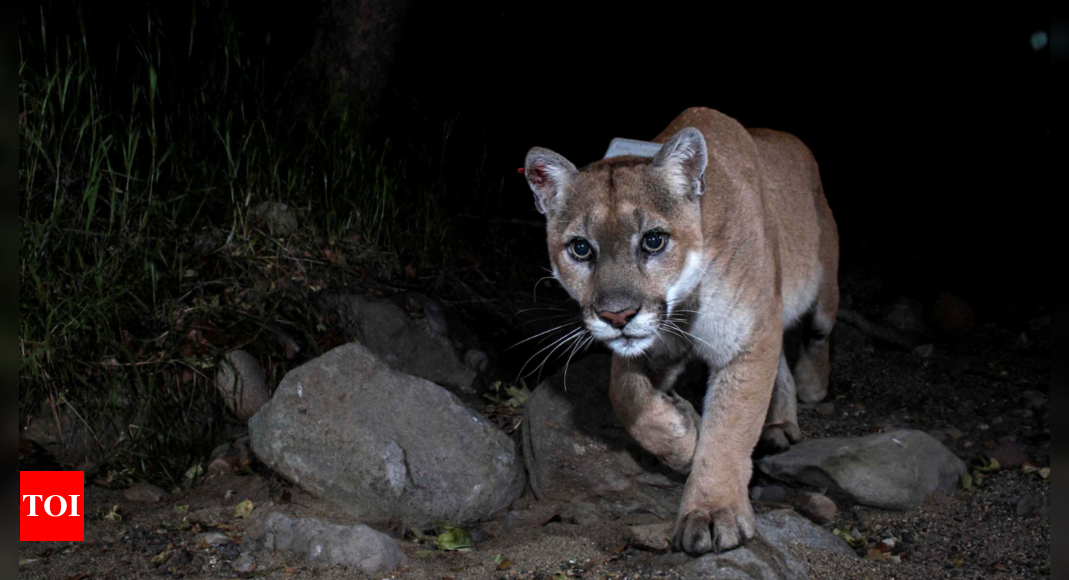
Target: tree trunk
{"points": [[355, 46]]}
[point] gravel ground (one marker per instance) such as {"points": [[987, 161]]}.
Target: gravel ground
{"points": [[974, 394]]}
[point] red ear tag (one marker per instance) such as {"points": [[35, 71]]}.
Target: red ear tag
{"points": [[520, 171]]}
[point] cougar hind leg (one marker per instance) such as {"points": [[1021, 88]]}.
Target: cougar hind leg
{"points": [[813, 369], [781, 426]]}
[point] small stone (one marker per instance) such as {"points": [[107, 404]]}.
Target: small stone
{"points": [[1029, 506], [219, 467], [826, 409], [924, 351], [651, 537], [280, 218], [819, 508], [323, 543], [1009, 455], [144, 493], [240, 380], [211, 539], [244, 564], [1023, 343], [1035, 399], [477, 360], [954, 434]]}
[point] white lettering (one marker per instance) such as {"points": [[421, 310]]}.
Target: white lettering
{"points": [[33, 503], [48, 505], [74, 506]]}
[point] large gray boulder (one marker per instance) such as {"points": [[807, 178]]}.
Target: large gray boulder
{"points": [[579, 455], [420, 340], [896, 470], [387, 447], [322, 542]]}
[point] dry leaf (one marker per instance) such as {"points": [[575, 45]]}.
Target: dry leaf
{"points": [[966, 482], [113, 515], [244, 509], [507, 564]]}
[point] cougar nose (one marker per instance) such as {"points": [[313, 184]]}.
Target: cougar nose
{"points": [[618, 319]]}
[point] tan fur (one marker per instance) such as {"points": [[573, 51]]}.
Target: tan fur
{"points": [[752, 249]]}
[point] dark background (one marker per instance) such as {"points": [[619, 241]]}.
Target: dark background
{"points": [[934, 130]]}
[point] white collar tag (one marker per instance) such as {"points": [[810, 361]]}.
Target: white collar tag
{"points": [[619, 147]]}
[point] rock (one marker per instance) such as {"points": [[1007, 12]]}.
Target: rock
{"points": [[1035, 399], [924, 351], [768, 556], [907, 316], [895, 470], [817, 507], [385, 446], [212, 539], [1009, 455], [826, 409], [144, 493], [245, 564], [784, 527], [1022, 342], [427, 345], [952, 316], [323, 543], [578, 454], [651, 537], [240, 379], [280, 218]]}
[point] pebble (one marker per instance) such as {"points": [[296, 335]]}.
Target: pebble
{"points": [[144, 493], [212, 539], [1029, 506], [651, 538], [819, 508], [244, 564]]}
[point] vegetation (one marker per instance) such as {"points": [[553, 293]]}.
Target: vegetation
{"points": [[142, 253]]}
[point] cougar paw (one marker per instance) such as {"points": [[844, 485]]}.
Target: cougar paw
{"points": [[779, 438], [698, 533]]}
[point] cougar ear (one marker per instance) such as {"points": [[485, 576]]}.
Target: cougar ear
{"points": [[549, 175], [682, 161]]}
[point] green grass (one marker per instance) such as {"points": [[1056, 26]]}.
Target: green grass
{"points": [[140, 261]]}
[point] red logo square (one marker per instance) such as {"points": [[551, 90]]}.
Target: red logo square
{"points": [[53, 506]]}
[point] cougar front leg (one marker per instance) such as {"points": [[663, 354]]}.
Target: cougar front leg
{"points": [[716, 514], [660, 421], [781, 426]]}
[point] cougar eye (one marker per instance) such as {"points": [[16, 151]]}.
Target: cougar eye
{"points": [[654, 242], [581, 249]]}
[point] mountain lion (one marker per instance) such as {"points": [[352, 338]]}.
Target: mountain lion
{"points": [[712, 249]]}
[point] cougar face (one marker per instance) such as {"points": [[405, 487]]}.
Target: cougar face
{"points": [[624, 236]]}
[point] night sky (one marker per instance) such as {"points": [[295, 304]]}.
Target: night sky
{"points": [[934, 130]]}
